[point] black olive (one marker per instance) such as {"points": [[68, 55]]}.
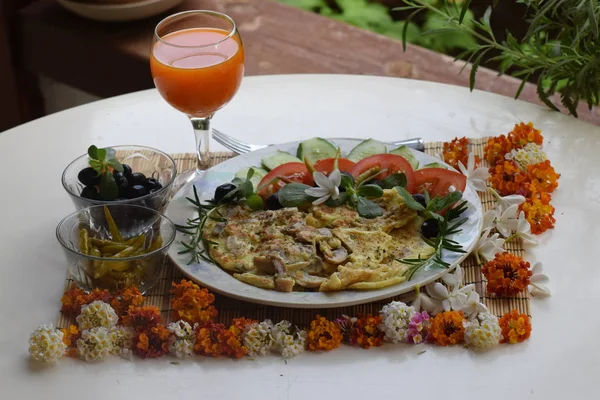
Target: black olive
{"points": [[152, 184], [430, 228], [137, 178], [136, 191], [90, 192], [376, 182], [272, 202], [419, 198], [222, 190], [89, 177], [127, 171]]}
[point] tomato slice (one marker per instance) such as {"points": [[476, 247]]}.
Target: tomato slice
{"points": [[294, 171], [391, 163], [326, 165], [437, 181]]}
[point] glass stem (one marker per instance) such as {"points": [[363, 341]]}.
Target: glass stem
{"points": [[202, 133]]}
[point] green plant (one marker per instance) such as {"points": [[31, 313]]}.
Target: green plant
{"points": [[376, 17], [561, 49]]}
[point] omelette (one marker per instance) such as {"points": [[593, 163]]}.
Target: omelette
{"points": [[321, 248]]}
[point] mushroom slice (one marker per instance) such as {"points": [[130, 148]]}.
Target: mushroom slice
{"points": [[307, 280], [284, 284], [296, 266], [333, 256], [269, 264]]}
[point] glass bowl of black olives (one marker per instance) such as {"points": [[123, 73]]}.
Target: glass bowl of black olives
{"points": [[115, 246], [135, 175]]}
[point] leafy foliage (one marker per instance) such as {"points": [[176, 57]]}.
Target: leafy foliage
{"points": [[376, 17], [561, 47]]}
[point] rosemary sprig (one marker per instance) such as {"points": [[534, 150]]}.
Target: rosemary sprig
{"points": [[197, 245], [448, 224], [560, 49]]}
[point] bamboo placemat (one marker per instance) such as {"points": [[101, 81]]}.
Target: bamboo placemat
{"points": [[231, 308]]}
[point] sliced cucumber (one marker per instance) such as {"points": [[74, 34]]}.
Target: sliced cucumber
{"points": [[315, 149], [365, 149], [259, 173], [276, 159], [434, 165], [408, 155]]}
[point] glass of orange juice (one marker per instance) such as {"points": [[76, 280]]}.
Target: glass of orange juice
{"points": [[197, 63]]}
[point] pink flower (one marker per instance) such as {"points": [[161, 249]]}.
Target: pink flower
{"points": [[417, 328]]}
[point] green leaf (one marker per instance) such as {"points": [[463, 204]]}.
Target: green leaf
{"points": [[426, 195], [396, 179], [101, 153], [367, 208], [370, 191], [93, 152], [98, 166], [438, 204], [474, 69], [593, 19], [405, 28], [113, 162], [463, 11], [487, 15], [521, 86], [246, 189], [436, 216], [409, 200], [293, 195], [110, 153], [250, 174], [108, 187], [347, 181], [342, 199]]}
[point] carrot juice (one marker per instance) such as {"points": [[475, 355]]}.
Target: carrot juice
{"points": [[199, 70]]}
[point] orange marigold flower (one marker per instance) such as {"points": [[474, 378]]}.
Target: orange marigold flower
{"points": [[323, 335], [447, 328], [152, 342], [507, 178], [543, 176], [496, 148], [507, 274], [72, 300], [215, 340], [455, 151], [142, 318], [70, 336], [99, 294], [239, 324], [523, 134], [192, 303], [365, 332], [539, 212], [125, 298], [515, 327]]}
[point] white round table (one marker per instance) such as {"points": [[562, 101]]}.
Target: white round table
{"points": [[561, 359]]}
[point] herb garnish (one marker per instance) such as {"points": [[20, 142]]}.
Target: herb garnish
{"points": [[449, 224], [103, 161]]}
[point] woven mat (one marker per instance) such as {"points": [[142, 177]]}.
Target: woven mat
{"points": [[230, 308]]}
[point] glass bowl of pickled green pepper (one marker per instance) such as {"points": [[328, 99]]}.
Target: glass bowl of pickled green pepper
{"points": [[115, 246]]}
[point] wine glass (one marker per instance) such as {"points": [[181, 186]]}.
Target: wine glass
{"points": [[197, 63]]}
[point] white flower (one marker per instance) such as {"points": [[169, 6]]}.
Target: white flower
{"points": [[121, 342], [395, 318], [530, 154], [97, 314], [477, 176], [487, 247], [507, 201], [536, 288], [94, 344], [524, 230], [484, 332], [422, 302], [286, 343], [455, 279], [489, 220], [46, 344], [472, 306], [451, 300], [326, 186], [181, 342], [258, 339], [506, 222]]}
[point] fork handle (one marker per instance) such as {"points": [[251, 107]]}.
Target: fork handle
{"points": [[415, 143]]}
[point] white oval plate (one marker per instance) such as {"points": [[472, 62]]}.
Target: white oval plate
{"points": [[213, 277]]}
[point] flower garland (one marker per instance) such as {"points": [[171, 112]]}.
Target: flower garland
{"points": [[442, 313]]}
